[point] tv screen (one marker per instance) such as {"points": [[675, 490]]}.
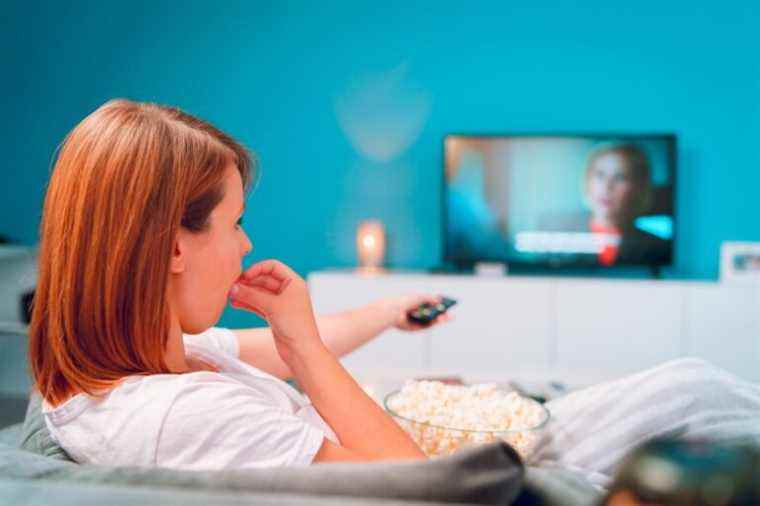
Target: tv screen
{"points": [[560, 200]]}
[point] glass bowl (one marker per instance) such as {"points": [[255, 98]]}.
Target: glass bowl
{"points": [[438, 440]]}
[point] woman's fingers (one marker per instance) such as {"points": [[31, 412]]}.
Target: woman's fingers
{"points": [[268, 282], [426, 297], [273, 268], [258, 269], [253, 289], [251, 293], [271, 284], [253, 298], [272, 275], [414, 300], [258, 294]]}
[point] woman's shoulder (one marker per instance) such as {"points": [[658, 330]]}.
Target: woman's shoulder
{"points": [[152, 384], [217, 422], [223, 391], [196, 420], [196, 387], [177, 395], [151, 394], [125, 425], [119, 426]]}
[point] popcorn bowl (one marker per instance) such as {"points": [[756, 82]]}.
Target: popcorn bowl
{"points": [[438, 440]]}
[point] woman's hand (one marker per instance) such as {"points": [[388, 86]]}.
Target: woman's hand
{"points": [[399, 306], [275, 292]]}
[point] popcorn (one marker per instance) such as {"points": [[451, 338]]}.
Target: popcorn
{"points": [[444, 418]]}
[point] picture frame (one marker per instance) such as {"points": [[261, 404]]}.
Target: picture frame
{"points": [[740, 262]]}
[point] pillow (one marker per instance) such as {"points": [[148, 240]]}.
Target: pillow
{"points": [[10, 435], [35, 436], [489, 474]]}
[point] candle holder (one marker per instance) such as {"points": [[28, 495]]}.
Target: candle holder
{"points": [[370, 245]]}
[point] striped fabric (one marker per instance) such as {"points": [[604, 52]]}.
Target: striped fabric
{"points": [[593, 429]]}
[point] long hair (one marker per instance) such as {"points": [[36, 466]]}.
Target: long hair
{"points": [[125, 180]]}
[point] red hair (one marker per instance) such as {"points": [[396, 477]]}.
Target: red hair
{"points": [[126, 178]]}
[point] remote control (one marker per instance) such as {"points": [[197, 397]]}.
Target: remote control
{"points": [[426, 313]]}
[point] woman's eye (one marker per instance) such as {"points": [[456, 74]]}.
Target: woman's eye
{"points": [[239, 222]]}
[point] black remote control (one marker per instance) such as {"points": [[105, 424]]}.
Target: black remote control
{"points": [[426, 313]]}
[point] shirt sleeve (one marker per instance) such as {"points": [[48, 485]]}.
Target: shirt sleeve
{"points": [[217, 423], [216, 338]]}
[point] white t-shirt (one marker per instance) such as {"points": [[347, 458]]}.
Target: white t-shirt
{"points": [[240, 417]]}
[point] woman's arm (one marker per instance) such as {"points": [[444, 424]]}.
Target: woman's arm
{"points": [[275, 292], [341, 333], [365, 431]]}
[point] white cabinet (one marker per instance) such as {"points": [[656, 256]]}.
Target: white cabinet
{"points": [[555, 327], [722, 326], [617, 326], [498, 326]]}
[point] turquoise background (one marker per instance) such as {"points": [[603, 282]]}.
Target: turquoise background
{"points": [[346, 103]]}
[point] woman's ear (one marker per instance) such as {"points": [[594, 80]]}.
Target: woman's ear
{"points": [[179, 254]]}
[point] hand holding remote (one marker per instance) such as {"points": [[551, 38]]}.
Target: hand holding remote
{"points": [[426, 312], [399, 307]]}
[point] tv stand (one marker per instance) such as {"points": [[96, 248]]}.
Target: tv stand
{"points": [[597, 325]]}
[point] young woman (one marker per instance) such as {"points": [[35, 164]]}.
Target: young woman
{"points": [[618, 190], [141, 248]]}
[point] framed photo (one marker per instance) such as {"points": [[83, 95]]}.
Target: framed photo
{"points": [[740, 262]]}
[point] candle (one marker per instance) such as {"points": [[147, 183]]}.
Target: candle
{"points": [[370, 244]]}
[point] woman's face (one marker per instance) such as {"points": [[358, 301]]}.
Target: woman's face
{"points": [[610, 188], [205, 265]]}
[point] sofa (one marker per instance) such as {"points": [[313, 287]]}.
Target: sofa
{"points": [[35, 470]]}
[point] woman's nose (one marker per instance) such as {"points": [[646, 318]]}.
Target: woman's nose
{"points": [[248, 246]]}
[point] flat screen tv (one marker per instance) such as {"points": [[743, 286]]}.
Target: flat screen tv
{"points": [[560, 200]]}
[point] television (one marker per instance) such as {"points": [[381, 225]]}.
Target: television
{"points": [[601, 200]]}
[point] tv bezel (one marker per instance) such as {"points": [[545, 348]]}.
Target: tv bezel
{"points": [[469, 263]]}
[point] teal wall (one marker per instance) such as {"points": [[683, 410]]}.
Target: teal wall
{"points": [[346, 104]]}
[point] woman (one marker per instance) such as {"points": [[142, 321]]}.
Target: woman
{"points": [[617, 191], [141, 247], [140, 250]]}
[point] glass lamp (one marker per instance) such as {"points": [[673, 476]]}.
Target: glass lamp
{"points": [[370, 245]]}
